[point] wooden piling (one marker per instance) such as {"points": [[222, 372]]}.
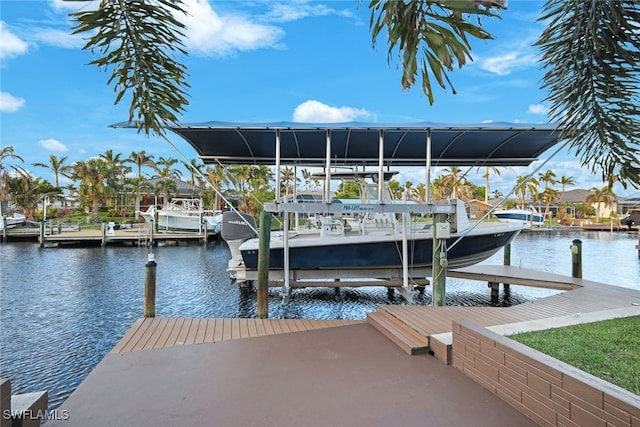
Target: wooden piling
{"points": [[262, 305], [150, 288], [507, 261], [439, 271], [42, 233], [576, 259]]}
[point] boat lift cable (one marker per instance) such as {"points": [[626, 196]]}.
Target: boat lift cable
{"points": [[513, 190], [200, 174]]}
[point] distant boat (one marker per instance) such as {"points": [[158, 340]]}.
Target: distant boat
{"points": [[520, 216], [12, 221], [184, 215]]}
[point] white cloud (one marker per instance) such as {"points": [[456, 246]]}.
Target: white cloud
{"points": [[539, 109], [9, 103], [59, 38], [316, 112], [52, 145], [209, 33], [285, 12], [504, 64], [65, 5], [10, 44]]}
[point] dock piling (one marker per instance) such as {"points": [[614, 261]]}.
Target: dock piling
{"points": [[262, 304], [507, 261], [150, 287], [576, 259]]}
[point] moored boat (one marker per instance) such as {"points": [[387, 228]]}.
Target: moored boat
{"points": [[184, 215], [528, 217]]}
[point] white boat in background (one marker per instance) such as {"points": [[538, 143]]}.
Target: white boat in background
{"points": [[12, 221], [184, 215], [528, 217]]}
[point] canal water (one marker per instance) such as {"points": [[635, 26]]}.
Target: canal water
{"points": [[63, 309]]}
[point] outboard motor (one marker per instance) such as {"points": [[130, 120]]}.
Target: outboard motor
{"points": [[237, 226]]}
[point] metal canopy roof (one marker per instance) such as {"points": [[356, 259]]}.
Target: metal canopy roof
{"points": [[355, 143]]}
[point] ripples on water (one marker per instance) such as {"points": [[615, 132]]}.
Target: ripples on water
{"points": [[62, 310]]}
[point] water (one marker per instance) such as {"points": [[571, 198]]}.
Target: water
{"points": [[62, 310]]}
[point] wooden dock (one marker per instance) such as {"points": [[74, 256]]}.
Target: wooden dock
{"points": [[151, 333]]}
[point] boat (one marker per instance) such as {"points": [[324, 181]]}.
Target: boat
{"points": [[529, 217], [364, 244], [12, 221], [183, 214], [632, 220]]}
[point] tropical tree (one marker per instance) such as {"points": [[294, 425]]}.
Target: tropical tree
{"points": [[487, 173], [166, 178], [452, 180], [5, 154], [547, 178], [57, 166], [431, 33], [565, 181], [419, 193], [217, 177], [289, 179], [591, 51], [93, 175], [195, 169], [526, 185], [140, 159], [26, 191], [138, 40], [600, 197]]}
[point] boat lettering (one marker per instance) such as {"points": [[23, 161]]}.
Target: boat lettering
{"points": [[357, 208]]}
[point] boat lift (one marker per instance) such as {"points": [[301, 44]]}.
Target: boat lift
{"points": [[326, 207]]}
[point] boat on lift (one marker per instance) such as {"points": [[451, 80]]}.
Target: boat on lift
{"points": [[367, 244]]}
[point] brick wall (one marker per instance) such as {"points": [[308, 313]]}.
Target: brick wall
{"points": [[550, 392]]}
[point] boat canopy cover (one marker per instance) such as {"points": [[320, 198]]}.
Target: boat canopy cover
{"points": [[357, 143]]}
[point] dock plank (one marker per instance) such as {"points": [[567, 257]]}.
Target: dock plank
{"points": [[154, 333]]}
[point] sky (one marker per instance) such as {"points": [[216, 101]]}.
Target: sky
{"points": [[264, 61]]}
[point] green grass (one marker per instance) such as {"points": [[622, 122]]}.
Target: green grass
{"points": [[609, 349]]}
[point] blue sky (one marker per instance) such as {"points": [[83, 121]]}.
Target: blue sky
{"points": [[262, 61]]}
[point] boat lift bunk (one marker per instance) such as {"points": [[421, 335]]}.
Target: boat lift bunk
{"points": [[366, 145]]}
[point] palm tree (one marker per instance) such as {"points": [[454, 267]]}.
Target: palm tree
{"points": [[548, 178], [289, 179], [167, 175], [564, 181], [419, 193], [140, 159], [56, 166], [217, 177], [93, 175], [488, 170], [450, 177], [195, 169], [6, 153], [590, 52], [526, 185], [601, 198]]}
